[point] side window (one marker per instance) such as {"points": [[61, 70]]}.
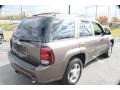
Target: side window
{"points": [[85, 29], [97, 29], [62, 29]]}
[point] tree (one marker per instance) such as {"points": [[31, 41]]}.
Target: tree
{"points": [[13, 17], [115, 19], [102, 19]]}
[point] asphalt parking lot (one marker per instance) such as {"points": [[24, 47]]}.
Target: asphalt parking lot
{"points": [[98, 72]]}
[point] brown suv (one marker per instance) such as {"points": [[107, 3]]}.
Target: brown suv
{"points": [[49, 48]]}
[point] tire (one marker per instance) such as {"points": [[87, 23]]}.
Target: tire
{"points": [[1, 39], [109, 51], [73, 72]]}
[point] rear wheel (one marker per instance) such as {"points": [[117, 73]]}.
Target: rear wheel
{"points": [[109, 51], [73, 72]]}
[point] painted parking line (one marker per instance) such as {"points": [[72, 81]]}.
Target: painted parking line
{"points": [[99, 60]]}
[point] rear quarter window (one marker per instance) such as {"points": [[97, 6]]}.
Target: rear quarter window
{"points": [[62, 29]]}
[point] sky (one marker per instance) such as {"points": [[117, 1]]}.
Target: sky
{"points": [[90, 10]]}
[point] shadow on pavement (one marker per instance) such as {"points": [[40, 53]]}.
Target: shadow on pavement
{"points": [[118, 83], [95, 60]]}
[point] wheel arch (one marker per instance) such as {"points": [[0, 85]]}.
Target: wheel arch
{"points": [[112, 40], [1, 34], [81, 56]]}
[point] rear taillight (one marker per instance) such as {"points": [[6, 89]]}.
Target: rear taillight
{"points": [[46, 56]]}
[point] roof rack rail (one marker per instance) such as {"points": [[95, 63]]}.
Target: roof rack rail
{"points": [[49, 13]]}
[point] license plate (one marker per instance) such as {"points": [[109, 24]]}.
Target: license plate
{"points": [[20, 48]]}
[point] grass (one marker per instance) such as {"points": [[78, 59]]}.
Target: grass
{"points": [[115, 31], [10, 27], [7, 35]]}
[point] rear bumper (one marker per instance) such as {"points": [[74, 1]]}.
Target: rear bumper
{"points": [[42, 74]]}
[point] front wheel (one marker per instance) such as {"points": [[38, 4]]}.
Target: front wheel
{"points": [[109, 51], [1, 39], [73, 72]]}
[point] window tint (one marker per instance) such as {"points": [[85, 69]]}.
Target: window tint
{"points": [[32, 28], [85, 29], [97, 29], [62, 29]]}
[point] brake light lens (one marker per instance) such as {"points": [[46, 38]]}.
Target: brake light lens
{"points": [[46, 56]]}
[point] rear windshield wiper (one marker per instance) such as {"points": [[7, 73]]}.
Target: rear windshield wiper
{"points": [[23, 40]]}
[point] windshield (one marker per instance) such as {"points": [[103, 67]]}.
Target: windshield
{"points": [[32, 28]]}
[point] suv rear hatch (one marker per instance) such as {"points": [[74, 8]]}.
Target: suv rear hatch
{"points": [[28, 38]]}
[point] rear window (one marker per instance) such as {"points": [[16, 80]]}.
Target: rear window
{"points": [[32, 28]]}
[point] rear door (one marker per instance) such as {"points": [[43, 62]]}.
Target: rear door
{"points": [[87, 39]]}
